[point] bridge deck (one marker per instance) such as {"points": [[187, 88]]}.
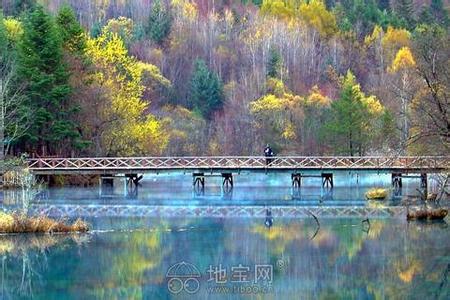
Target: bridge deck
{"points": [[116, 165]]}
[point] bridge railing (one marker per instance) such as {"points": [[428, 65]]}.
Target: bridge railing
{"points": [[241, 162]]}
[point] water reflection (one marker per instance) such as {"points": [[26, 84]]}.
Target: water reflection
{"points": [[25, 258], [129, 258]]}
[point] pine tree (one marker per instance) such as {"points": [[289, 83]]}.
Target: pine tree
{"points": [[96, 30], [274, 64], [355, 119], [21, 6], [404, 9], [425, 16], [384, 5], [206, 90], [330, 4], [159, 23], [440, 14], [72, 33], [42, 70]]}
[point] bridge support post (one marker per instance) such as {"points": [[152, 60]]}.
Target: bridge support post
{"points": [[133, 179], [198, 180], [296, 180], [106, 180], [424, 183], [227, 180], [397, 180], [327, 180], [423, 180]]}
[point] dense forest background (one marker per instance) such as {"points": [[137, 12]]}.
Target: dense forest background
{"points": [[224, 77]]}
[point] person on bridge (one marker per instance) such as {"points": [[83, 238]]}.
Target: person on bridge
{"points": [[268, 152]]}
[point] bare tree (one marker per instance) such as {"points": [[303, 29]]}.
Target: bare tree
{"points": [[431, 45], [14, 119]]}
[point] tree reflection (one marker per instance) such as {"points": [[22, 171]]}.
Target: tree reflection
{"points": [[392, 259], [24, 260]]}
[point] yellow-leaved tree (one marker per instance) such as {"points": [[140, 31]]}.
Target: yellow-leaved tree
{"points": [[393, 40], [315, 106], [403, 60], [278, 114], [402, 71], [13, 28], [315, 14], [123, 125]]}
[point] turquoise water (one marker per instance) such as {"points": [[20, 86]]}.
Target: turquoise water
{"points": [[217, 244], [250, 189], [129, 258]]}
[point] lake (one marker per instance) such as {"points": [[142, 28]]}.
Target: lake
{"points": [[222, 254]]}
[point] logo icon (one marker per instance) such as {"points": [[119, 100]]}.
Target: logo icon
{"points": [[183, 276]]}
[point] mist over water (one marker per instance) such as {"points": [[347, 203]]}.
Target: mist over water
{"points": [[259, 189]]}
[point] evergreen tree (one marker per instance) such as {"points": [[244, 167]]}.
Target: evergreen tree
{"points": [[384, 5], [21, 6], [206, 90], [355, 120], [274, 64], [159, 23], [71, 32], [330, 4], [371, 15], [257, 2], [425, 17], [404, 9], [440, 14], [96, 30], [361, 16], [42, 70]]}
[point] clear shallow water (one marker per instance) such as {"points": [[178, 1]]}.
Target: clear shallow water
{"points": [[129, 258]]}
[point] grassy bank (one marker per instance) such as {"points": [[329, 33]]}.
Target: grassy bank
{"points": [[21, 223]]}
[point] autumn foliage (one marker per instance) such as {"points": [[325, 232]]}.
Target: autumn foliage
{"points": [[225, 78]]}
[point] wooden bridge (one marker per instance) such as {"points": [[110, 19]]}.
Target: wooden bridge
{"points": [[226, 166], [116, 165]]}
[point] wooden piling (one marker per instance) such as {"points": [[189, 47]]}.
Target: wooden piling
{"points": [[296, 180], [327, 180]]}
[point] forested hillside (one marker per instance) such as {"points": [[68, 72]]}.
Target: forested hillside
{"points": [[205, 77]]}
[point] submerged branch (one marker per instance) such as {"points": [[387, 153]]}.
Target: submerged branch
{"points": [[318, 226], [368, 223]]}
